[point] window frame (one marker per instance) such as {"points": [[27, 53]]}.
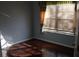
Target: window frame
{"points": [[56, 24]]}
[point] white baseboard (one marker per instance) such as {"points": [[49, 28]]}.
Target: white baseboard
{"points": [[45, 40], [55, 42], [23, 40], [7, 46]]}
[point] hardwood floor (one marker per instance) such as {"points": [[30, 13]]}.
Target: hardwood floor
{"points": [[23, 50], [51, 47]]}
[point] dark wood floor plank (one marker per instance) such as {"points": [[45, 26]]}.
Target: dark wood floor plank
{"points": [[50, 46]]}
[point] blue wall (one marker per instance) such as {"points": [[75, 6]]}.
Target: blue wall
{"points": [[52, 37], [15, 20]]}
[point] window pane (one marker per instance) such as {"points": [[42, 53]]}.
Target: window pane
{"points": [[52, 23], [61, 15], [66, 17], [50, 11], [46, 23], [66, 11], [49, 23], [68, 25], [60, 24], [50, 15]]}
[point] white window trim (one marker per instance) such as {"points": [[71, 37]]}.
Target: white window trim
{"points": [[59, 32]]}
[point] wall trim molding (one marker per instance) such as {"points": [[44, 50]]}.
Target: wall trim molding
{"points": [[55, 42], [22, 41], [46, 41], [16, 43]]}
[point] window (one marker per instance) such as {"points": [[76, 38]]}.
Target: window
{"points": [[59, 18]]}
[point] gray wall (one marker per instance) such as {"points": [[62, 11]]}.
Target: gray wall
{"points": [[64, 39], [15, 20]]}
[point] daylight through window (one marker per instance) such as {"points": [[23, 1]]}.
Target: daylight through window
{"points": [[59, 18]]}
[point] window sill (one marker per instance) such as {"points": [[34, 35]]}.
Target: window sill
{"points": [[60, 32]]}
